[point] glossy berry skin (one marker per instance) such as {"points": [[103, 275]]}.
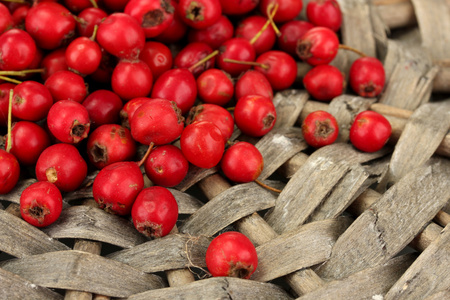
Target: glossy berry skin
{"points": [[158, 121], [215, 114], [253, 83], [255, 115], [103, 107], [199, 14], [214, 86], [166, 166], [291, 32], [154, 15], [280, 70], [77, 6], [231, 254], [28, 140], [66, 85], [324, 82], [370, 131], [50, 24], [131, 79], [154, 212], [238, 7], [238, 49], [127, 111], [178, 85], [53, 62], [176, 30], [110, 143], [158, 57], [6, 20], [214, 35], [202, 144], [320, 128], [83, 55], [9, 172], [88, 18], [193, 53], [4, 102], [68, 121], [31, 101], [41, 204], [367, 76], [116, 187], [287, 9], [318, 46], [326, 13], [17, 50], [242, 162], [121, 35], [250, 26]]}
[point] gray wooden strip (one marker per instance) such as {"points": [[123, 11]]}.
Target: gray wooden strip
{"points": [[174, 251], [14, 287], [309, 245], [82, 271], [14, 194], [217, 288], [428, 274], [278, 146], [32, 240], [384, 229], [228, 207], [92, 223], [187, 204], [194, 175], [289, 104], [366, 284]]}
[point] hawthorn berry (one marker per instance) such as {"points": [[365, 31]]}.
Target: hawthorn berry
{"points": [[103, 107], [255, 115], [88, 18], [253, 82], [31, 101], [17, 50], [318, 46], [176, 30], [6, 20], [320, 128], [291, 32], [199, 14], [287, 9], [279, 68], [242, 162], [53, 62], [9, 171], [214, 35], [367, 76], [4, 102], [131, 79], [215, 86], [157, 56], [250, 26], [66, 85], [193, 53], [324, 82], [127, 111], [370, 131], [236, 49], [83, 55]]}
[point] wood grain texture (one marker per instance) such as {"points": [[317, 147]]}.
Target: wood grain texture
{"points": [[32, 240], [14, 195], [194, 175], [187, 204], [217, 288], [396, 14], [173, 251], [429, 274], [383, 230], [309, 245], [81, 271], [289, 104], [95, 224]]}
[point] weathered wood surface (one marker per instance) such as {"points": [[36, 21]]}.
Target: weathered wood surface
{"points": [[81, 271], [289, 104], [95, 224], [382, 231], [396, 13], [366, 284], [14, 195], [309, 245], [32, 240], [217, 288], [14, 287], [173, 251], [187, 204], [194, 175], [429, 274]]}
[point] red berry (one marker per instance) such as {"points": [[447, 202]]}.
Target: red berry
{"points": [[253, 83], [103, 107], [252, 25], [202, 144], [215, 86], [324, 82], [199, 14], [326, 13], [4, 102], [6, 20], [62, 165], [238, 49], [231, 254], [127, 111], [131, 79], [176, 30], [318, 46], [83, 55], [238, 7], [9, 172], [66, 85], [157, 56], [88, 18], [214, 35], [242, 162], [287, 9], [279, 68], [367, 76], [41, 204], [320, 128], [255, 115], [191, 54], [291, 32], [76, 6], [370, 131], [31, 101], [53, 62], [17, 50], [155, 212]]}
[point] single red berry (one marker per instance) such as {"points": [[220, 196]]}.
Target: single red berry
{"points": [[17, 50], [287, 9], [193, 53], [83, 55], [291, 32], [68, 121], [202, 144], [41, 204], [214, 35], [367, 76], [9, 172], [103, 107], [250, 26], [158, 121], [320, 128], [231, 254], [53, 62], [324, 82], [238, 7], [255, 115], [19, 15], [253, 83], [370, 131], [6, 20], [318, 46], [278, 67], [77, 6], [236, 49], [242, 162], [66, 85], [4, 102], [176, 30], [155, 212], [116, 187], [131, 79], [127, 111], [108, 144], [199, 14], [157, 56], [326, 13], [88, 18], [31, 101], [215, 86]]}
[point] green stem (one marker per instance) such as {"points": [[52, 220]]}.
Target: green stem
{"points": [[94, 3], [94, 33], [258, 34], [242, 62], [8, 147], [203, 60], [10, 79], [270, 17], [21, 73]]}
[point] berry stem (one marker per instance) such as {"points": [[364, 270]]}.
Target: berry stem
{"points": [[203, 60], [270, 17], [258, 34], [94, 33], [252, 63], [10, 79], [94, 3], [150, 148], [21, 73], [345, 47], [8, 147], [16, 1], [267, 187]]}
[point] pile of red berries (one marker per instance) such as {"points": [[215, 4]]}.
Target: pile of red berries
{"points": [[85, 82]]}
